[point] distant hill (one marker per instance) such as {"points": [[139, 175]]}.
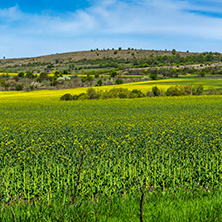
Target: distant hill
{"points": [[60, 59], [106, 59]]}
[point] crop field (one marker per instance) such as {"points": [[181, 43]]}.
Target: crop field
{"points": [[161, 141], [98, 147]]}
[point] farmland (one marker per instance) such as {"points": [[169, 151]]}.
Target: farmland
{"points": [[91, 148]]}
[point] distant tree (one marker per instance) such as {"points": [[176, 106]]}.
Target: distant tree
{"points": [[66, 97], [119, 81], [99, 82], [96, 75], [4, 84], [174, 51], [30, 75], [56, 73], [43, 75], [92, 94], [65, 72], [153, 76], [19, 87], [155, 91], [113, 74], [21, 74]]}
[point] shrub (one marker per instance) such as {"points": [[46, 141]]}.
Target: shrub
{"points": [[96, 75], [155, 91], [54, 82], [113, 74], [75, 97], [198, 90], [92, 94], [83, 96], [99, 82], [65, 72], [213, 91], [66, 97], [30, 75], [119, 81], [174, 91], [137, 94], [119, 93], [153, 76], [149, 94], [43, 75], [21, 74], [19, 87]]}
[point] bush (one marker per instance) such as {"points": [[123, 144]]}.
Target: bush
{"points": [[149, 94], [43, 75], [21, 74], [113, 74], [75, 97], [83, 96], [153, 76], [96, 75], [174, 91], [119, 93], [116, 93], [137, 94], [30, 75], [66, 97], [54, 82], [198, 90], [184, 90], [155, 91], [19, 87], [213, 91], [119, 81], [65, 72], [92, 94], [99, 82]]}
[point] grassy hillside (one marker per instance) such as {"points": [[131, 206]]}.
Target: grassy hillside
{"points": [[103, 59]]}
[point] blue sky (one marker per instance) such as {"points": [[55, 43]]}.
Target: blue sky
{"points": [[34, 28]]}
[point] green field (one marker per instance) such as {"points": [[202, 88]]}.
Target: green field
{"points": [[154, 142]]}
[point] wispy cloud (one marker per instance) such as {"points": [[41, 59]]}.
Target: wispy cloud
{"points": [[113, 19]]}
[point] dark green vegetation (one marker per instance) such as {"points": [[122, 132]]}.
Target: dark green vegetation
{"points": [[68, 160], [123, 93], [99, 94]]}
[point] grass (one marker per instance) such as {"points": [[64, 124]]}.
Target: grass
{"points": [[181, 205]]}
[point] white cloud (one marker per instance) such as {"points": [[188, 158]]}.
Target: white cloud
{"points": [[109, 20], [11, 14]]}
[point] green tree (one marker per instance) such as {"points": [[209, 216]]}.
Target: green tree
{"points": [[174, 51], [119, 81], [4, 84], [155, 91], [30, 75], [92, 94], [99, 82], [153, 76], [21, 74], [113, 73]]}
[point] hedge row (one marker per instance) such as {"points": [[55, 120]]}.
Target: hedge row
{"points": [[91, 93]]}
